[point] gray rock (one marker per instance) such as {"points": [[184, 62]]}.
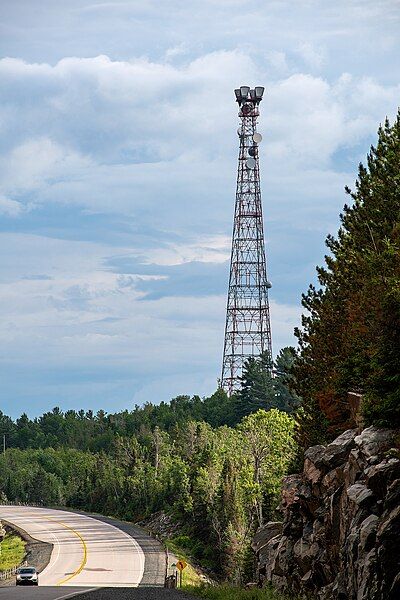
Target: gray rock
{"points": [[367, 585], [284, 560], [393, 495], [380, 475], [337, 452], [265, 533], [368, 533], [375, 441], [360, 494], [303, 555], [340, 535], [267, 555], [290, 488], [389, 525], [314, 466], [394, 592]]}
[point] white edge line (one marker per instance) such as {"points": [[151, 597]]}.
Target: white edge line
{"points": [[74, 594], [134, 542], [53, 559]]}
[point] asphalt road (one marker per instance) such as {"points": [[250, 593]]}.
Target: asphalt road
{"points": [[89, 552], [41, 593], [57, 593]]}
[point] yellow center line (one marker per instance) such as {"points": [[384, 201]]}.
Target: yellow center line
{"points": [[84, 546]]}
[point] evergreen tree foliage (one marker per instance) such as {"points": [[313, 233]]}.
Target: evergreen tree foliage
{"points": [[257, 390], [267, 385], [284, 381], [349, 340]]}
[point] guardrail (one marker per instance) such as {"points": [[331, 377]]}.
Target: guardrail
{"points": [[7, 573], [35, 504], [10, 572]]}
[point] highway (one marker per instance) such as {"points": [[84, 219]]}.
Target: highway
{"points": [[88, 553]]}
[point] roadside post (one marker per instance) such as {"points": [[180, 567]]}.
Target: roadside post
{"points": [[181, 565], [2, 534], [171, 581]]}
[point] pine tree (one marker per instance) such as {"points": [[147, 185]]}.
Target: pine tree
{"points": [[257, 391], [286, 399], [348, 340]]}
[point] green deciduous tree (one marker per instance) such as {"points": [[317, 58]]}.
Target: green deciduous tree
{"points": [[268, 436]]}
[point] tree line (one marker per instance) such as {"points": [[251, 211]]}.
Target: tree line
{"points": [[86, 430], [214, 464]]}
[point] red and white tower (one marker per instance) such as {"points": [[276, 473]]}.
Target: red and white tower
{"points": [[248, 328]]}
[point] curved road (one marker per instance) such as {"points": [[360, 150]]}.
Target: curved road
{"points": [[89, 552]]}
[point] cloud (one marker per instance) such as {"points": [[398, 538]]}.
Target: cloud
{"points": [[81, 318], [37, 162], [152, 135], [278, 61], [118, 153], [9, 207], [312, 56]]}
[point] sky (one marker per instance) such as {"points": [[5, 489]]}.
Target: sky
{"points": [[117, 178]]}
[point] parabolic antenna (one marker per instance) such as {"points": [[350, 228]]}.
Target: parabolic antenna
{"points": [[252, 151], [239, 131], [250, 163], [247, 109], [268, 285], [257, 137]]}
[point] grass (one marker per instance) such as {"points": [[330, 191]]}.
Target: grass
{"points": [[182, 547], [12, 551], [190, 577], [234, 593]]}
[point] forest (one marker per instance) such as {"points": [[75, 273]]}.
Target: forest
{"points": [[216, 464]]}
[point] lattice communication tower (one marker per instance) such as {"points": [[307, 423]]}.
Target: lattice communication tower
{"points": [[248, 327]]}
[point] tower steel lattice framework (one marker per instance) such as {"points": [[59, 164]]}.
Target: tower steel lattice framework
{"points": [[248, 328]]}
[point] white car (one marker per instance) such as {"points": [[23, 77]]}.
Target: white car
{"points": [[27, 576]]}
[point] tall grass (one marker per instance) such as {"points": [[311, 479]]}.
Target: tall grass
{"points": [[234, 593], [12, 551]]}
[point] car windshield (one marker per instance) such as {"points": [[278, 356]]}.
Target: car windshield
{"points": [[26, 571]]}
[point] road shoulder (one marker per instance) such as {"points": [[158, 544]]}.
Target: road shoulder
{"points": [[37, 554], [155, 566], [135, 594]]}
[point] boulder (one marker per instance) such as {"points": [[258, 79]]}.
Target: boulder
{"points": [[314, 467], [265, 533], [392, 498], [340, 534], [368, 533], [267, 555], [290, 487], [337, 452], [360, 494], [380, 475], [374, 441], [284, 560]]}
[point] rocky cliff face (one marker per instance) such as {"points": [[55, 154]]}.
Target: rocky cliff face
{"points": [[340, 536]]}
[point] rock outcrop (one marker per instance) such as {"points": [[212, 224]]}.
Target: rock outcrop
{"points": [[340, 535]]}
